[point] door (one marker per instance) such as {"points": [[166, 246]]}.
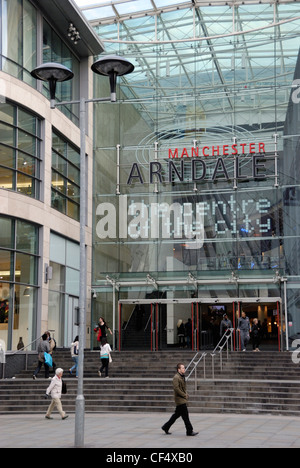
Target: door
{"points": [[161, 323], [71, 326]]}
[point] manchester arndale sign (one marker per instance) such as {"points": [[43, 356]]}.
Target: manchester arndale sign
{"points": [[142, 217], [196, 158]]}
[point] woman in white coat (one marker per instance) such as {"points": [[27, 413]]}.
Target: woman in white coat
{"points": [[55, 389]]}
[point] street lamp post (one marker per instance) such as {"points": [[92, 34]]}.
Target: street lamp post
{"points": [[111, 66]]}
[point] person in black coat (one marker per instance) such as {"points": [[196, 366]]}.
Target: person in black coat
{"points": [[256, 335]]}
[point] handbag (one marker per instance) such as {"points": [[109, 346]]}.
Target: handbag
{"points": [[48, 359], [64, 388]]}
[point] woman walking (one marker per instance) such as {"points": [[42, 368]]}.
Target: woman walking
{"points": [[105, 351], [74, 355], [55, 389], [101, 330]]}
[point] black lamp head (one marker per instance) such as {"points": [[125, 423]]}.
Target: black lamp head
{"points": [[112, 66], [52, 72]]}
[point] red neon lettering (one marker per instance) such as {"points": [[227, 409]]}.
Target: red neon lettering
{"points": [[203, 151], [195, 152], [216, 151], [225, 150], [261, 148], [252, 148], [175, 155], [184, 153], [243, 147], [234, 149]]}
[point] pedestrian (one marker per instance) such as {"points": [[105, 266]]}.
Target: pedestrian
{"points": [[74, 355], [244, 328], [181, 397], [181, 333], [55, 389], [105, 351], [101, 329], [43, 347], [255, 335], [225, 325], [52, 346]]}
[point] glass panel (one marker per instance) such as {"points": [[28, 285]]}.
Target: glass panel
{"points": [[6, 179], [27, 122], [25, 185], [26, 142], [7, 134], [72, 281], [58, 182], [7, 156], [73, 210], [60, 164], [73, 174], [6, 238], [58, 201], [26, 164], [56, 313], [5, 266], [26, 269], [26, 237], [7, 113], [29, 39], [57, 249], [73, 255], [4, 311], [74, 156], [58, 282], [24, 326]]}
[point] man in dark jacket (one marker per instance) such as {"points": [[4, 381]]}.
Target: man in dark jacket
{"points": [[181, 397]]}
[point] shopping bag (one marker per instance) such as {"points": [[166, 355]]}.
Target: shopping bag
{"points": [[48, 359]]}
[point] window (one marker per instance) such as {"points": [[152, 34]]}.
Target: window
{"points": [[18, 281], [65, 177], [55, 50], [19, 38], [20, 145]]}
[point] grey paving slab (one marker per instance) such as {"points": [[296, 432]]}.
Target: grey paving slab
{"points": [[143, 430]]}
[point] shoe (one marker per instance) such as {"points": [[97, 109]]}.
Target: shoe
{"points": [[65, 417], [193, 433], [48, 417], [34, 377], [107, 377], [99, 373], [70, 372], [166, 431]]}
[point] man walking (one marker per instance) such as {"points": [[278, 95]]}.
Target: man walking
{"points": [[244, 327], [181, 397]]}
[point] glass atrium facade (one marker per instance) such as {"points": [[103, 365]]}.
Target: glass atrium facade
{"points": [[196, 183]]}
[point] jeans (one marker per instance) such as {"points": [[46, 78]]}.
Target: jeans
{"points": [[37, 370], [105, 362], [75, 360], [181, 410]]}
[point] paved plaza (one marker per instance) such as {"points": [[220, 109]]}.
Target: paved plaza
{"points": [[142, 430]]}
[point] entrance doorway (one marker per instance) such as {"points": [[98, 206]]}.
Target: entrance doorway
{"points": [[146, 324]]}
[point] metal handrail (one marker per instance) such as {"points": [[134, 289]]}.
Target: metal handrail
{"points": [[196, 363], [219, 348], [26, 353]]}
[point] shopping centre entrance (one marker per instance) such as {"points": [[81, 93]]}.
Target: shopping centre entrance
{"points": [[195, 323]]}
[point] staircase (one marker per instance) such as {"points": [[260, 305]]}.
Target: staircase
{"points": [[262, 383]]}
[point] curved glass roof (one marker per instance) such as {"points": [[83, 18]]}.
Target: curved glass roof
{"points": [[194, 57]]}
